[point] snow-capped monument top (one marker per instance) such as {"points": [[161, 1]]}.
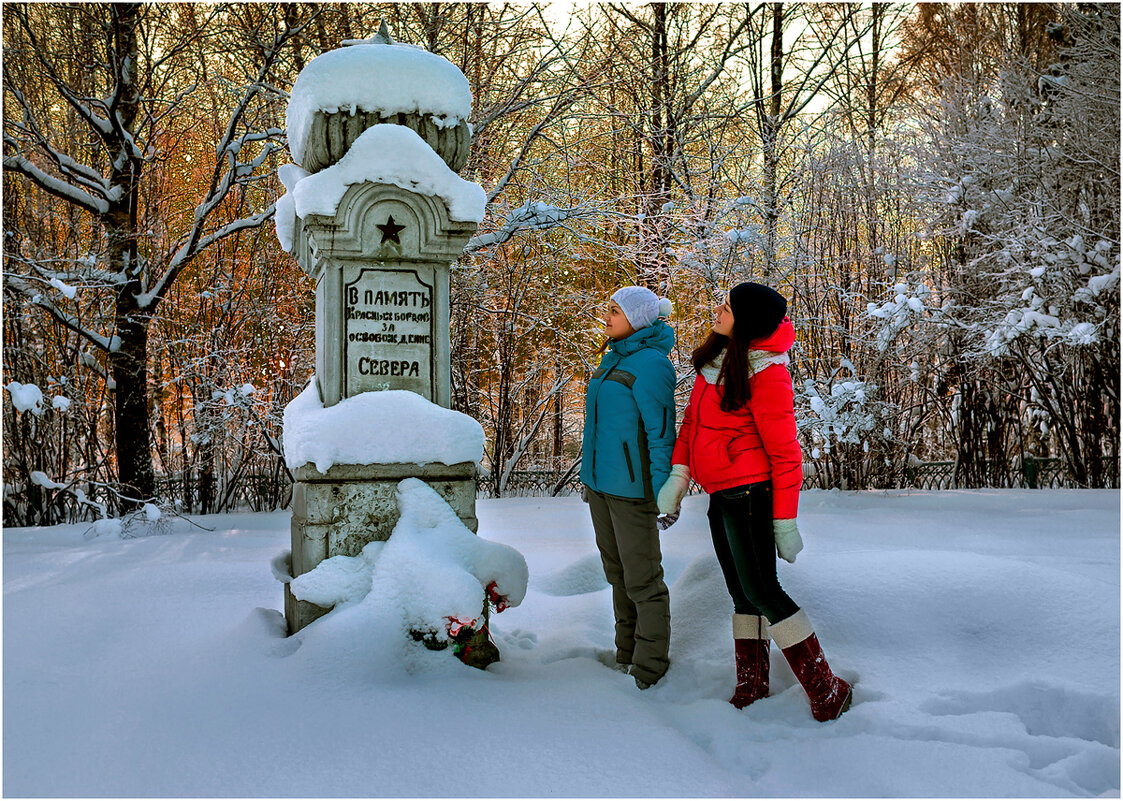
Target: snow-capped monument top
{"points": [[342, 92]]}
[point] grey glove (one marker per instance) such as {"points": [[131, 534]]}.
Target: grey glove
{"points": [[788, 541], [674, 489]]}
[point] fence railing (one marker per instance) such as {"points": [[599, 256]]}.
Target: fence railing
{"points": [[1028, 473], [531, 483], [262, 492], [254, 492]]}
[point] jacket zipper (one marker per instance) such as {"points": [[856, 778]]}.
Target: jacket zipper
{"points": [[596, 398], [694, 433], [628, 459]]}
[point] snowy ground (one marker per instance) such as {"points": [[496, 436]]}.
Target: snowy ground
{"points": [[981, 628]]}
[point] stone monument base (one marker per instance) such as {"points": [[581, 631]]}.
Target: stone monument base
{"points": [[338, 512]]}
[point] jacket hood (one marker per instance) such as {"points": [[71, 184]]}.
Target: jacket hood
{"points": [[658, 335], [779, 341]]}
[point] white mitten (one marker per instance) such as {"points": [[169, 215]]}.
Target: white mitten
{"points": [[788, 541], [674, 489]]}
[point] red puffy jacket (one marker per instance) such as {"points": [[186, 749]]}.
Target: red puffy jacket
{"points": [[754, 443]]}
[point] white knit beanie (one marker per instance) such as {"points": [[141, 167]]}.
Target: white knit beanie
{"points": [[641, 306]]}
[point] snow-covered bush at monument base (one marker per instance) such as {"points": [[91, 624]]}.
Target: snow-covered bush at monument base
{"points": [[431, 574]]}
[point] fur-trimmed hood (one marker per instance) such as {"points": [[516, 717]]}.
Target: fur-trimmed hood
{"points": [[772, 349]]}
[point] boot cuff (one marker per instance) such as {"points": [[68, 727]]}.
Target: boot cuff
{"points": [[749, 627], [791, 630]]}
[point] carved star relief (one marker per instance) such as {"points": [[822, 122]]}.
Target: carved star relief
{"points": [[390, 231]]}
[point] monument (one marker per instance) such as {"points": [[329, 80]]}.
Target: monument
{"points": [[376, 214]]}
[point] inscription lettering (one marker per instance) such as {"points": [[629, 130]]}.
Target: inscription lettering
{"points": [[387, 367], [388, 335], [386, 297]]}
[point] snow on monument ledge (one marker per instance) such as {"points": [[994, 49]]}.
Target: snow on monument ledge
{"points": [[388, 427], [390, 154]]}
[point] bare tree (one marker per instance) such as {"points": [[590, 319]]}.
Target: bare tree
{"points": [[125, 100], [795, 56]]}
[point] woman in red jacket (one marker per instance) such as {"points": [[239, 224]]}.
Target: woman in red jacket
{"points": [[738, 441]]}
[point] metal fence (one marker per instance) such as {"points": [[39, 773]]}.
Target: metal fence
{"points": [[1028, 473], [265, 492], [253, 492], [531, 483]]}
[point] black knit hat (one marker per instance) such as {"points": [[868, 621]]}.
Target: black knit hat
{"points": [[757, 309]]}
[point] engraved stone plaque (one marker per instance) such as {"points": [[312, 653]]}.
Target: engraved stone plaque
{"points": [[389, 331]]}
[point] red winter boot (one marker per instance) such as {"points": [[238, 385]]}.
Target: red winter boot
{"points": [[829, 695], [750, 646]]}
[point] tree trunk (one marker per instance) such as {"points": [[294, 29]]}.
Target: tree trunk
{"points": [[558, 449], [130, 374], [130, 362], [771, 145], [658, 137]]}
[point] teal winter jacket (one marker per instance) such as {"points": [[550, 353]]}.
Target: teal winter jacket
{"points": [[630, 416]]}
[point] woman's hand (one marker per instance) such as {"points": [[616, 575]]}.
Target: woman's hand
{"points": [[674, 489], [788, 541]]}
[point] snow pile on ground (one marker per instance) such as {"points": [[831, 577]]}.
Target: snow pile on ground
{"points": [[981, 629], [390, 154], [433, 571], [388, 79], [390, 427]]}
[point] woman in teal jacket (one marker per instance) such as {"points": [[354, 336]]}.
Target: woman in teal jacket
{"points": [[625, 459]]}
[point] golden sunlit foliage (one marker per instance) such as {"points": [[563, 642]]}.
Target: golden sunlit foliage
{"points": [[684, 147]]}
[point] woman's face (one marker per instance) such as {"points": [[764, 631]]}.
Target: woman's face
{"points": [[616, 325], [723, 319]]}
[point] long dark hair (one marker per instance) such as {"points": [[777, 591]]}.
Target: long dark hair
{"points": [[734, 373]]}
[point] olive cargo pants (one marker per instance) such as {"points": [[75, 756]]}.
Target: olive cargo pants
{"points": [[628, 540]]}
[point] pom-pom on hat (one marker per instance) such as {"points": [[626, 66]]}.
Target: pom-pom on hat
{"points": [[641, 306], [757, 310]]}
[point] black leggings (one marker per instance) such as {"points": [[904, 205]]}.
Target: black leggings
{"points": [[741, 526]]}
